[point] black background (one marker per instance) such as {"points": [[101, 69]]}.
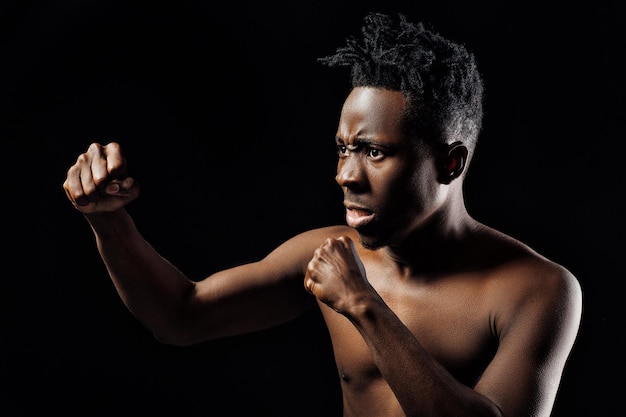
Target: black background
{"points": [[228, 122]]}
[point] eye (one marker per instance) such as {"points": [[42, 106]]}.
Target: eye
{"points": [[375, 153], [341, 149]]}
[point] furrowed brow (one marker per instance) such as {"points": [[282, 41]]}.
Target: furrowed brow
{"points": [[364, 142]]}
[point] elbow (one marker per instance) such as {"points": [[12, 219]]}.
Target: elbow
{"points": [[168, 339], [176, 334], [173, 341], [178, 326], [175, 338]]}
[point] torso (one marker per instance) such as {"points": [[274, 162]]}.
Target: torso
{"points": [[452, 316]]}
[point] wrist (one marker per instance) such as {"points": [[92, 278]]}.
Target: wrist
{"points": [[365, 309], [109, 222]]}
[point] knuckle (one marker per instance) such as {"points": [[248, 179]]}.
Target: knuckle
{"points": [[94, 148], [83, 158], [99, 178], [114, 146], [88, 190], [71, 172]]}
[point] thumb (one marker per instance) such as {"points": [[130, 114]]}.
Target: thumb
{"points": [[119, 187]]}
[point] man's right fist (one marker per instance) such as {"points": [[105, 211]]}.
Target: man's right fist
{"points": [[98, 180]]}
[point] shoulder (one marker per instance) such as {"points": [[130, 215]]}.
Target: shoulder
{"points": [[528, 287], [533, 281], [298, 250], [527, 272], [316, 237]]}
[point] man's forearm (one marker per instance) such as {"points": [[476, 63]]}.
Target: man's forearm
{"points": [[151, 287], [422, 386]]}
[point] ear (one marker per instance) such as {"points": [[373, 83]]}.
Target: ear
{"points": [[451, 162]]}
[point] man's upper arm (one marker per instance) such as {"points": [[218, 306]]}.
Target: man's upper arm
{"points": [[253, 296], [536, 326]]}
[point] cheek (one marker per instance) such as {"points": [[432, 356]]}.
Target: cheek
{"points": [[396, 190], [424, 183], [406, 183], [422, 188]]}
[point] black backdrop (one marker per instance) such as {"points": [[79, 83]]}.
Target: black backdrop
{"points": [[228, 122]]}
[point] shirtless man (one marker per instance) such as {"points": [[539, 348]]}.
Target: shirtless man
{"points": [[430, 313]]}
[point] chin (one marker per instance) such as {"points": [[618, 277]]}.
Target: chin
{"points": [[372, 242]]}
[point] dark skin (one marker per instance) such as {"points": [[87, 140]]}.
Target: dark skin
{"points": [[430, 312]]}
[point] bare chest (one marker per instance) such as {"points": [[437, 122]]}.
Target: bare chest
{"points": [[450, 321]]}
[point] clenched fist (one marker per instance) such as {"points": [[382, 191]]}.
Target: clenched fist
{"points": [[335, 275], [98, 180]]}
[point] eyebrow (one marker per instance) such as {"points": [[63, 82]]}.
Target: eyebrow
{"points": [[364, 141]]}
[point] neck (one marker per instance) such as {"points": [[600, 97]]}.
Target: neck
{"points": [[437, 243]]}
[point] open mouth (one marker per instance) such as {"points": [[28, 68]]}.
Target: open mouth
{"points": [[358, 217]]}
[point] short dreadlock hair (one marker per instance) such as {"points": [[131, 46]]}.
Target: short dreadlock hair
{"points": [[438, 77]]}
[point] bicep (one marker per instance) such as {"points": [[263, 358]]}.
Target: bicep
{"points": [[253, 296], [247, 298]]}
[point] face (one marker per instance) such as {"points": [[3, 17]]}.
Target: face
{"points": [[390, 186]]}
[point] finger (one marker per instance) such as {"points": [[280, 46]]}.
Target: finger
{"points": [[309, 284], [97, 163], [116, 164], [345, 241], [87, 180], [83, 186], [73, 187]]}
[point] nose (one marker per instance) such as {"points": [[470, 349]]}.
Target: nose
{"points": [[349, 172]]}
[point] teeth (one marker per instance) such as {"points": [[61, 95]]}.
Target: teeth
{"points": [[358, 217]]}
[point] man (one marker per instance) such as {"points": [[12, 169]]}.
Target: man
{"points": [[430, 313]]}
